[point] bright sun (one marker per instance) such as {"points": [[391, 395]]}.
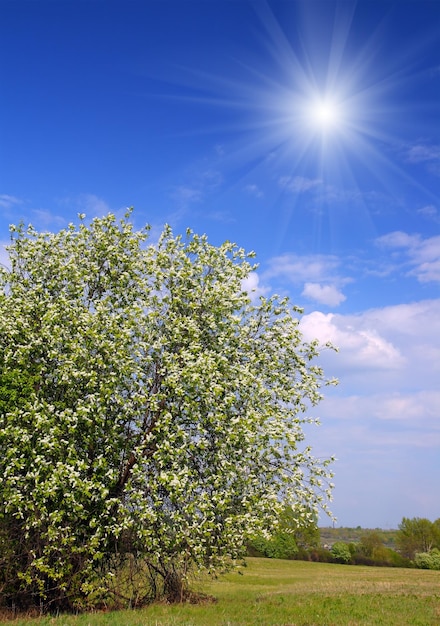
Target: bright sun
{"points": [[325, 114]]}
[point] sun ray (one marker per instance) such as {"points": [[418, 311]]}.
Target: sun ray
{"points": [[314, 102]]}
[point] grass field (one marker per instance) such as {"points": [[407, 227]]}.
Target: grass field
{"points": [[290, 593]]}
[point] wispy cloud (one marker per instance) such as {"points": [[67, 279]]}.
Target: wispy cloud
{"points": [[430, 211], [299, 184], [318, 275], [399, 407], [199, 186], [379, 420], [17, 209], [210, 179], [422, 256], [420, 153], [320, 193], [428, 154], [45, 218], [89, 203], [92, 205], [409, 407], [254, 190], [298, 269], [220, 216], [8, 202], [385, 412], [185, 196]]}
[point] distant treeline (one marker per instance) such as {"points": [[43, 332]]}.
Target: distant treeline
{"points": [[330, 535], [416, 543]]}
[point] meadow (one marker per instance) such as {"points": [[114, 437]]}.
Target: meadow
{"points": [[289, 593]]}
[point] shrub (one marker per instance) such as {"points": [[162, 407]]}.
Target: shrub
{"points": [[428, 560], [341, 552], [281, 545]]}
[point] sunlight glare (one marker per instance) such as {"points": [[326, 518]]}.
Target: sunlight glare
{"points": [[325, 114], [312, 105]]}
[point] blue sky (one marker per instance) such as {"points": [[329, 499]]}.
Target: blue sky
{"points": [[308, 131]]}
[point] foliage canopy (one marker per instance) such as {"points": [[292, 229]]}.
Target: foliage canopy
{"points": [[149, 410], [417, 534]]}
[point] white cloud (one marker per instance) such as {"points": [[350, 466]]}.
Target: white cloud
{"points": [[430, 211], [4, 256], [428, 154], [210, 179], [252, 285], [426, 256], [308, 268], [201, 184], [396, 348], [38, 217], [45, 217], [428, 272], [92, 205], [387, 438], [317, 274], [422, 255], [187, 195], [398, 239], [323, 294], [383, 421], [420, 153], [415, 407], [360, 345], [299, 184], [8, 202], [399, 408], [219, 216], [254, 190], [334, 195]]}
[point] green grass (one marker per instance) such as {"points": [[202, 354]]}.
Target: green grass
{"points": [[290, 593]]}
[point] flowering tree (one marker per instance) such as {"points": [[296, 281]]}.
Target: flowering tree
{"points": [[149, 412]]}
